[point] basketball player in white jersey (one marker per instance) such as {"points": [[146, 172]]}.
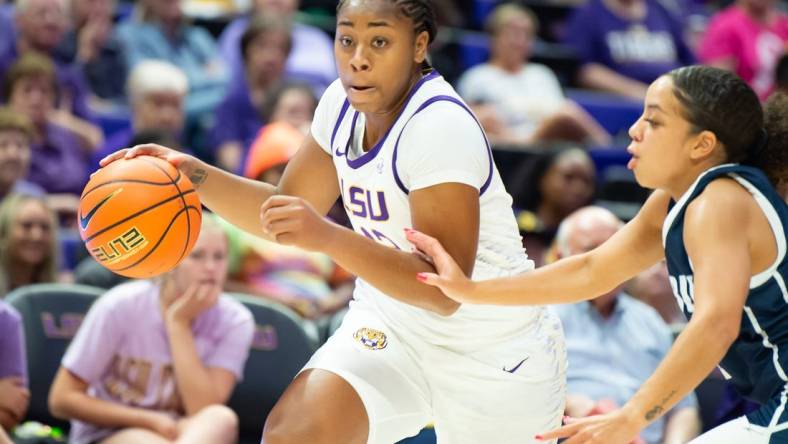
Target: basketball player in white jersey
{"points": [[394, 140]]}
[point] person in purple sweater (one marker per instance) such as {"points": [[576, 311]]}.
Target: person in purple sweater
{"points": [[154, 361], [623, 45], [14, 395]]}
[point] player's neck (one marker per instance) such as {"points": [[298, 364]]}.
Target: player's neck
{"points": [[681, 184], [376, 125]]}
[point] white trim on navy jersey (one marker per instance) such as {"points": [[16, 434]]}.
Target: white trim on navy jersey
{"points": [[777, 229], [674, 212]]}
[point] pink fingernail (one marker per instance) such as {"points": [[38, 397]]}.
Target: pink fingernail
{"points": [[421, 277], [538, 438]]}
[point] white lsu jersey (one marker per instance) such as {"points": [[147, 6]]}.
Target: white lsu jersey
{"points": [[435, 139]]}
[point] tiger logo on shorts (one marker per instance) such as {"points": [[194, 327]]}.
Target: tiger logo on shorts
{"points": [[370, 338]]}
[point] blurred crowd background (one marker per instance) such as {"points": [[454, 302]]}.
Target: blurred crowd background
{"points": [[555, 84]]}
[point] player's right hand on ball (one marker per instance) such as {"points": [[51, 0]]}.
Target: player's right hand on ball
{"points": [[182, 161], [449, 277]]}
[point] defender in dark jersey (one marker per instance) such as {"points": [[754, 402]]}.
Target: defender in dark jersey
{"points": [[714, 158]]}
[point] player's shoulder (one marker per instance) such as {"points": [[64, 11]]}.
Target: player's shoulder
{"points": [[723, 199]]}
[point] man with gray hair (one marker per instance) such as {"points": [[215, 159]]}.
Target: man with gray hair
{"points": [[614, 342], [156, 91]]}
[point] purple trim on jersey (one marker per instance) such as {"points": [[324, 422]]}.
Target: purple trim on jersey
{"points": [[336, 125], [427, 103], [369, 155]]}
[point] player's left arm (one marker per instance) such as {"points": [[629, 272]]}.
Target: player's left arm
{"points": [[720, 255]]}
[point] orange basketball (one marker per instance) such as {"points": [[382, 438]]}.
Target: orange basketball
{"points": [[139, 217]]}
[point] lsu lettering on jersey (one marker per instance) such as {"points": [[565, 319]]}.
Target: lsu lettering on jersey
{"points": [[435, 139], [758, 360]]}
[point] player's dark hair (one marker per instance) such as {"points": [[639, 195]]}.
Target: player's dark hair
{"points": [[721, 102], [421, 13]]}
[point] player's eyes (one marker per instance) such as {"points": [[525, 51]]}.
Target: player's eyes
{"points": [[651, 122], [345, 41], [379, 42]]}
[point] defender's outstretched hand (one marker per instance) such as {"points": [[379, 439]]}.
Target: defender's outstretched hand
{"points": [[450, 277], [611, 428]]}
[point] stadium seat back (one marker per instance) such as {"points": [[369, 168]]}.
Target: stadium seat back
{"points": [[52, 314], [283, 342]]}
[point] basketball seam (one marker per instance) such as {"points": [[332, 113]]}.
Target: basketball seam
{"points": [[161, 238], [104, 230], [183, 201], [144, 182]]}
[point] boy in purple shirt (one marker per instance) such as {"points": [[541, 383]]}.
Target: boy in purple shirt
{"points": [[14, 395], [155, 360]]}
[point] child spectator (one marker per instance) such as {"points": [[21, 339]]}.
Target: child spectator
{"points": [[154, 361], [518, 102], [291, 108], [28, 242], [14, 395]]}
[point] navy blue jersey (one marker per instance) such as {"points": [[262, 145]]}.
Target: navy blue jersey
{"points": [[758, 359]]}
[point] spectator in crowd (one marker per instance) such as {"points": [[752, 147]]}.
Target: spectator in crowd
{"points": [[652, 287], [518, 102], [160, 31], [16, 134], [624, 45], [93, 44], [40, 26], [311, 59], [748, 38], [548, 188], [14, 395], [29, 250], [264, 46], [614, 342], [58, 161], [156, 92], [311, 284], [154, 361], [291, 108]]}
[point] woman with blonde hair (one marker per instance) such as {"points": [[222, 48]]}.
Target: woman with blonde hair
{"points": [[29, 250]]}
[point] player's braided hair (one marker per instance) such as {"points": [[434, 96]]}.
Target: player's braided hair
{"points": [[421, 13]]}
